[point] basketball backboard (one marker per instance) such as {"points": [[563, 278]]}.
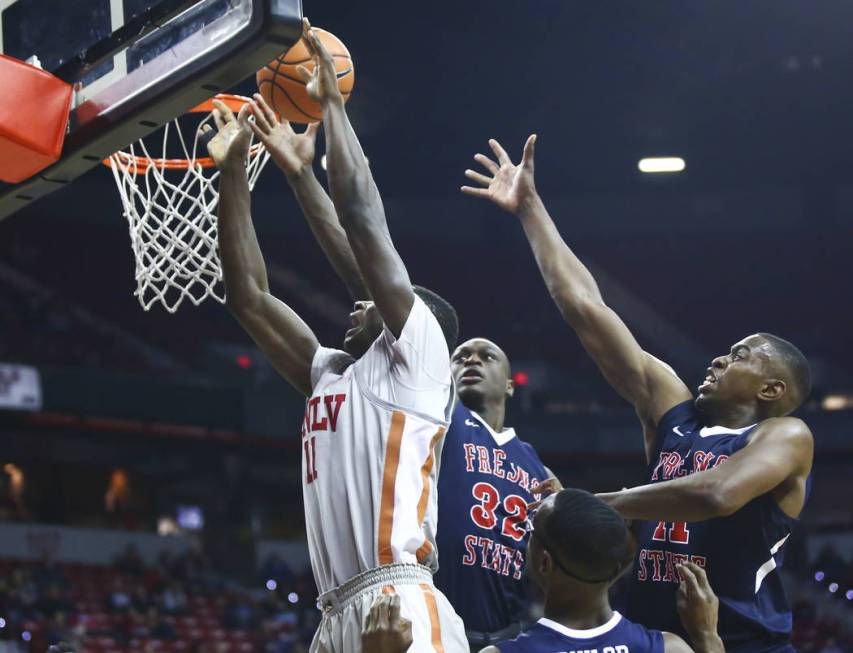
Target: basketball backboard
{"points": [[135, 65]]}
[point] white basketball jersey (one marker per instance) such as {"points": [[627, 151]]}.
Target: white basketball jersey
{"points": [[371, 440]]}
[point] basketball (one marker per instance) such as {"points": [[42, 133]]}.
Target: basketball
{"points": [[283, 89]]}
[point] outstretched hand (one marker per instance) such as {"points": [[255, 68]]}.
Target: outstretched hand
{"points": [[510, 186], [292, 152], [230, 145], [697, 604], [322, 81]]}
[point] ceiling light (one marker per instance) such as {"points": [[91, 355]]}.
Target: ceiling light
{"points": [[661, 164]]}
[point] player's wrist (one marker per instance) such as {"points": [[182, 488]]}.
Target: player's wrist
{"points": [[529, 205], [300, 174], [332, 100], [232, 164], [706, 641]]}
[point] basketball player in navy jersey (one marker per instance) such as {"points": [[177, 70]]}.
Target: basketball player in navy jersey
{"points": [[488, 475], [579, 546], [729, 471]]}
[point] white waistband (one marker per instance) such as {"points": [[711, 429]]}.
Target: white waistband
{"points": [[397, 574]]}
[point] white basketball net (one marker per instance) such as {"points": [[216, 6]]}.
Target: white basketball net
{"points": [[172, 220]]}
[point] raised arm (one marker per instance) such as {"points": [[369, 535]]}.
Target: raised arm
{"points": [[777, 459], [637, 376], [285, 339], [294, 154], [356, 197]]}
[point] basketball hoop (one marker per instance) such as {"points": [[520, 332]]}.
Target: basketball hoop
{"points": [[170, 206]]}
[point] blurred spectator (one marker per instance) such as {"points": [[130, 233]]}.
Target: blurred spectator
{"points": [[274, 567], [12, 493], [239, 613], [57, 629], [174, 600], [154, 627], [48, 572], [141, 600], [52, 603], [120, 502], [119, 599]]}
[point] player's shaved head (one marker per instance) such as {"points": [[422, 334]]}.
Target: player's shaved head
{"points": [[588, 538]]}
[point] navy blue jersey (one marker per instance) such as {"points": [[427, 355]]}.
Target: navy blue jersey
{"points": [[483, 490], [740, 553], [618, 635]]}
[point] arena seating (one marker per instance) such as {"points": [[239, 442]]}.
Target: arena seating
{"points": [[107, 609]]}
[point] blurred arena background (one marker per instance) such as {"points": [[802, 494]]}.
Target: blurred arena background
{"points": [[150, 496]]}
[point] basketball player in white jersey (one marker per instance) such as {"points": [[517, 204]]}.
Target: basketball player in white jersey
{"points": [[376, 411]]}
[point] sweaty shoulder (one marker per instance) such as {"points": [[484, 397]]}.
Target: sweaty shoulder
{"points": [[783, 427], [789, 432]]}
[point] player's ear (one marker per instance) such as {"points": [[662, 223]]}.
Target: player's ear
{"points": [[510, 387], [772, 390]]}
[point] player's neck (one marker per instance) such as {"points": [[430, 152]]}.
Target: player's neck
{"points": [[734, 416], [577, 610], [493, 415]]}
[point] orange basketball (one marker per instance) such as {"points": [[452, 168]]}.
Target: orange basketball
{"points": [[281, 86]]}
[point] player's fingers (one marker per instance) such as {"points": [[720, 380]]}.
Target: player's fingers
{"points": [[394, 609], [317, 45], [534, 505], [476, 176], [529, 149], [217, 118], [243, 116], [312, 129], [304, 73], [503, 157], [227, 114], [373, 615], [306, 31], [476, 192], [699, 572], [260, 117], [383, 621], [706, 592], [548, 485], [487, 163], [269, 114], [690, 582], [257, 131]]}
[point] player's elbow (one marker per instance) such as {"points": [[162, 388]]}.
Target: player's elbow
{"points": [[579, 306], [242, 300], [718, 500]]}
